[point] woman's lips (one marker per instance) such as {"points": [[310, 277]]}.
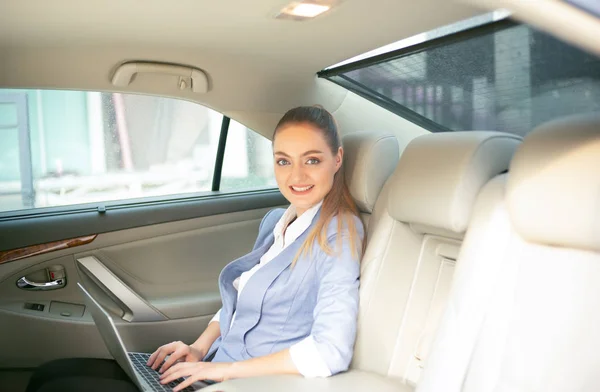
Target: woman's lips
{"points": [[301, 190]]}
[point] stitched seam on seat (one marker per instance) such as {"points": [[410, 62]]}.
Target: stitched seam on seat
{"points": [[408, 305], [369, 299], [383, 254], [430, 309]]}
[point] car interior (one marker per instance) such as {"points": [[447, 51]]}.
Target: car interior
{"points": [[136, 161]]}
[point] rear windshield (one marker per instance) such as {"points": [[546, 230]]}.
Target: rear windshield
{"points": [[497, 76]]}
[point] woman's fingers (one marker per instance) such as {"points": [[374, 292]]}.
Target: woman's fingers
{"points": [[174, 357], [175, 372], [182, 369], [162, 354], [152, 358], [188, 381]]}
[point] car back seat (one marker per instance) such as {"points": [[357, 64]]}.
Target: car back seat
{"points": [[414, 238], [523, 310]]}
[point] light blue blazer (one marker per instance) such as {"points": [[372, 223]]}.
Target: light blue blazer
{"points": [[281, 305]]}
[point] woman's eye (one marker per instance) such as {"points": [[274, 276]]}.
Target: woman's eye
{"points": [[313, 161], [282, 162]]}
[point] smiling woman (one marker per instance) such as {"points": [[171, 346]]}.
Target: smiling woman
{"points": [[290, 306], [308, 169], [305, 163]]}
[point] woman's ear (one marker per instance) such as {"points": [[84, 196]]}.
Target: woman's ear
{"points": [[339, 158]]}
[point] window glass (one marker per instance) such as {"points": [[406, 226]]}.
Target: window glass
{"points": [[71, 147], [248, 160], [501, 76]]}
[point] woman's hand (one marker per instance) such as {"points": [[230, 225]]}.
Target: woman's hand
{"points": [[176, 351], [196, 371]]}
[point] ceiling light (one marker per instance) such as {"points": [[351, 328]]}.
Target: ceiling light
{"points": [[305, 10]]}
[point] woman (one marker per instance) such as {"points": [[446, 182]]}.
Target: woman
{"points": [[290, 306]]}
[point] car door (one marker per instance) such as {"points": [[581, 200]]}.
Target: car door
{"points": [[142, 200]]}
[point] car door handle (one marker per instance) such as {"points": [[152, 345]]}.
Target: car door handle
{"points": [[26, 284]]}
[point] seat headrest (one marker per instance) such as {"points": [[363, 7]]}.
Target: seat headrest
{"points": [[553, 190], [370, 159], [440, 174]]}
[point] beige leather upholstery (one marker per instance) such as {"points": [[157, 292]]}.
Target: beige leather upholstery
{"points": [[345, 382], [552, 181], [408, 264], [523, 313], [439, 178], [370, 159]]}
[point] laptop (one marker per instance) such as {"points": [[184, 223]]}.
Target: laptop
{"points": [[134, 364]]}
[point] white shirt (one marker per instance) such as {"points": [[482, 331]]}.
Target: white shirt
{"points": [[305, 355]]}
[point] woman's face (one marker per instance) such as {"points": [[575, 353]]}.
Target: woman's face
{"points": [[304, 165]]}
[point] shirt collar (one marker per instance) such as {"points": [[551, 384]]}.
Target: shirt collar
{"points": [[297, 227]]}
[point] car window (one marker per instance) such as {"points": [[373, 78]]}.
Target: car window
{"points": [[248, 160], [499, 75], [62, 148]]}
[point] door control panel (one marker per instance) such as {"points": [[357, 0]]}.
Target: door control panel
{"points": [[66, 309], [32, 306]]}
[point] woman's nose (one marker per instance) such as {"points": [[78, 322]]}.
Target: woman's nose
{"points": [[298, 174]]}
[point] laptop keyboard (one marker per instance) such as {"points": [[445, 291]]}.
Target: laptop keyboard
{"points": [[151, 376]]}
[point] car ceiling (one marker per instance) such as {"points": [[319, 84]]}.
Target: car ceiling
{"points": [[258, 66]]}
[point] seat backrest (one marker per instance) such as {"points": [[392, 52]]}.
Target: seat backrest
{"points": [[370, 158], [523, 309], [413, 240]]}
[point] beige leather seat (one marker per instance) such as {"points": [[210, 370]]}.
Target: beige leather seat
{"points": [[370, 158], [414, 238], [523, 314]]}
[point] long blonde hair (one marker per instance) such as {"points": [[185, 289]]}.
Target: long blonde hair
{"points": [[338, 202]]}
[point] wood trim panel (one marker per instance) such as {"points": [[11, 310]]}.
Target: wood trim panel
{"points": [[28, 251]]}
